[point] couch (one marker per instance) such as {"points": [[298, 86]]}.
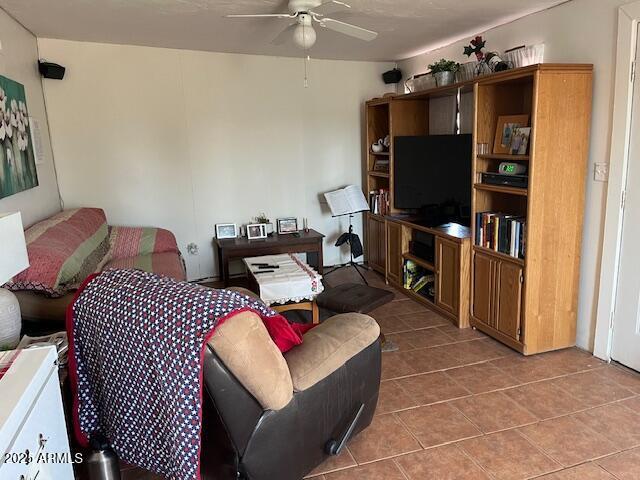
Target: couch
{"points": [[71, 245], [269, 415]]}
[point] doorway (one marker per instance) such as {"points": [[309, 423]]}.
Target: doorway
{"points": [[625, 346]]}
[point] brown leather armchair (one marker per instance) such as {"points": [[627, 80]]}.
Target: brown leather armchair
{"points": [[335, 375]]}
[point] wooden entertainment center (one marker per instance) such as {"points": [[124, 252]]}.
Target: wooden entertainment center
{"points": [[529, 301]]}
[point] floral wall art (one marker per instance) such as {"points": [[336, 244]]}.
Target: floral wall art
{"points": [[17, 161]]}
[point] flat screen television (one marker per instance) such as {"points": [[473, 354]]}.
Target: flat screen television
{"points": [[433, 173]]}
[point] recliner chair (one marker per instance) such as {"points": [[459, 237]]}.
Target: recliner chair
{"points": [[332, 395]]}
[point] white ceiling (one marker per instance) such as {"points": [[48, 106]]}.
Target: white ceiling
{"points": [[406, 27]]}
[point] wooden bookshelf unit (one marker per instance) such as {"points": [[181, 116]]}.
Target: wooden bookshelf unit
{"points": [[530, 303], [527, 302]]}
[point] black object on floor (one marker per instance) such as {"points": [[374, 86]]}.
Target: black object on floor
{"points": [[355, 250], [353, 297]]}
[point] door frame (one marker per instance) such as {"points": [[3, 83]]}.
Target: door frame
{"points": [[628, 21]]}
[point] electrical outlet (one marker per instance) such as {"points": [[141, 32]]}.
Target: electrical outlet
{"points": [[601, 172], [192, 249]]}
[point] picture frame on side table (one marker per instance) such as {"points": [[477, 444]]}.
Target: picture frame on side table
{"points": [[226, 230], [504, 131], [256, 231], [287, 225]]}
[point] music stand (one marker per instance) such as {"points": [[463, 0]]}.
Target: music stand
{"points": [[348, 201]]}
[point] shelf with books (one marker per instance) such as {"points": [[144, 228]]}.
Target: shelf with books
{"points": [[501, 189], [379, 201], [419, 261], [379, 154], [418, 280], [379, 174], [501, 233]]}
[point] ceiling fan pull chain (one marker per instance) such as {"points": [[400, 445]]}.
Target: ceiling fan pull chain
{"points": [[306, 78]]}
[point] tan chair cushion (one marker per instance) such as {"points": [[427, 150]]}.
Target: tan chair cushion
{"points": [[328, 346], [245, 347]]}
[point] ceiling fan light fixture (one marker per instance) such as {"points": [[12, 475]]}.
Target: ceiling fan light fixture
{"points": [[304, 35]]}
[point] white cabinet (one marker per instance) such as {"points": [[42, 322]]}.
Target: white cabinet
{"points": [[33, 434]]}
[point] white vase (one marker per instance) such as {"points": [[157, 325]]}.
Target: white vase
{"points": [[10, 320]]}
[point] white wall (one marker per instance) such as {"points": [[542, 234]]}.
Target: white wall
{"points": [[19, 62], [581, 31], [185, 140]]}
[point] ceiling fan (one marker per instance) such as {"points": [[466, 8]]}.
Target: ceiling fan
{"points": [[305, 12]]}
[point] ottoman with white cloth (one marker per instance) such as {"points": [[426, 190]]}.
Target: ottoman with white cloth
{"points": [[285, 282]]}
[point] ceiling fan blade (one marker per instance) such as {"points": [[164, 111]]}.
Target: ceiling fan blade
{"points": [[347, 29], [284, 35], [263, 15], [330, 6]]}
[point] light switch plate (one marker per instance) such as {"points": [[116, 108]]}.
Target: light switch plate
{"points": [[601, 172]]}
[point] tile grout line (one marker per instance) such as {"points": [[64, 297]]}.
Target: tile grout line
{"points": [[399, 467], [461, 449]]}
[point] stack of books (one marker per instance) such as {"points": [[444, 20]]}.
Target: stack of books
{"points": [[417, 278], [379, 201], [502, 233]]}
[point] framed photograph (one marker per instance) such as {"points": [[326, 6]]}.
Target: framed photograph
{"points": [[381, 165], [287, 225], [504, 131], [256, 231], [226, 230], [520, 140]]}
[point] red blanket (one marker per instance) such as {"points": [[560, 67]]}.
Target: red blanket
{"points": [[136, 351]]}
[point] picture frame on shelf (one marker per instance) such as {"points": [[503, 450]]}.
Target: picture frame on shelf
{"points": [[381, 165], [256, 231], [287, 225], [520, 140], [226, 230], [504, 131]]}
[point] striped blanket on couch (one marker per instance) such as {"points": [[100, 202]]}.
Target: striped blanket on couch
{"points": [[66, 248]]}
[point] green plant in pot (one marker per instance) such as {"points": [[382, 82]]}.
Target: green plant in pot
{"points": [[444, 71], [262, 218]]}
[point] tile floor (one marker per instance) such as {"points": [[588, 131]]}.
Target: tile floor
{"points": [[455, 404]]}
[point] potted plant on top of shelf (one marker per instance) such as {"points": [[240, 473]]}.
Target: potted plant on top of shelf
{"points": [[262, 218], [444, 71]]}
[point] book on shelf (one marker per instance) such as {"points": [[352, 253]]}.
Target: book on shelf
{"points": [[379, 201], [410, 272], [501, 233], [422, 282], [417, 278]]}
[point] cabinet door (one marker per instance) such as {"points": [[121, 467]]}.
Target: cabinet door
{"points": [[382, 246], [483, 280], [394, 252], [372, 242], [509, 298], [374, 239], [448, 275]]}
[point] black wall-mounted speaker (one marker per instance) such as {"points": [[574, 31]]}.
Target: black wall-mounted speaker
{"points": [[51, 70], [392, 76]]}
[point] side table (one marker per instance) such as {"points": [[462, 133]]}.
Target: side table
{"points": [[303, 242]]}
